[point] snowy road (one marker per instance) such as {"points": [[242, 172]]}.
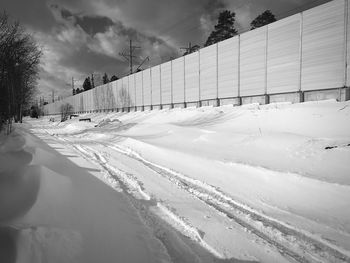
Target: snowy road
{"points": [[228, 210]]}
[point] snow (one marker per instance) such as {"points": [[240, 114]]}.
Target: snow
{"points": [[268, 183]]}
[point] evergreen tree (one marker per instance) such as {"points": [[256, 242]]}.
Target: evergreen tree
{"points": [[114, 77], [192, 49], [77, 91], [264, 19], [74, 92], [86, 84], [105, 79], [224, 29]]}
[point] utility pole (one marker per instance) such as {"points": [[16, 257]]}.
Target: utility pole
{"points": [[53, 96], [73, 84], [92, 81], [190, 48], [129, 57]]}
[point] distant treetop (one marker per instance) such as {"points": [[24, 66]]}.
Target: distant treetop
{"points": [[263, 19], [224, 29], [114, 77], [105, 79]]}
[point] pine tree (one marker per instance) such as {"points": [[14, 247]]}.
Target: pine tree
{"points": [[114, 77], [263, 19], [105, 79], [192, 49], [224, 29], [86, 84]]}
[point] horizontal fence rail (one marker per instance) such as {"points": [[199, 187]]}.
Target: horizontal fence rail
{"points": [[304, 56]]}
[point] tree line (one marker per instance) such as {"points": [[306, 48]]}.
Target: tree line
{"points": [[225, 27], [19, 69], [89, 83]]}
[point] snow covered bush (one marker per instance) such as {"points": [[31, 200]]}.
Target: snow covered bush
{"points": [[66, 109]]}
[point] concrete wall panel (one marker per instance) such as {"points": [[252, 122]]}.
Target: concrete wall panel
{"points": [[147, 92], [178, 80], [208, 72], [156, 92], [132, 89], [323, 46], [192, 77], [166, 82], [139, 89], [253, 62], [283, 55], [228, 67]]}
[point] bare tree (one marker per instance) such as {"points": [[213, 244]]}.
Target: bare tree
{"points": [[19, 67], [124, 99], [66, 109]]}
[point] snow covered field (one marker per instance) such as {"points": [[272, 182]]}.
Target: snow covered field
{"points": [[253, 183]]}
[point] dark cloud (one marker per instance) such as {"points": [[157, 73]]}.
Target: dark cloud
{"points": [[94, 24], [213, 7], [87, 61], [34, 14], [91, 24], [65, 13]]}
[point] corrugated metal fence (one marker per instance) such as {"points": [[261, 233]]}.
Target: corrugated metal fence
{"points": [[305, 52]]}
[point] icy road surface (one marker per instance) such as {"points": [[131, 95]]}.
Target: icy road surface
{"points": [[227, 184]]}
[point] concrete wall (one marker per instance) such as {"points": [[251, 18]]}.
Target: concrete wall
{"points": [[301, 57]]}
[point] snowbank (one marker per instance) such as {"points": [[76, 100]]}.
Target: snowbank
{"points": [[283, 166]]}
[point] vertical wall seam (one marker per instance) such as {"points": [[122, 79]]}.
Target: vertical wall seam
{"points": [[301, 50], [150, 73], [199, 74], [184, 59], [160, 85], [239, 67], [143, 100], [346, 21], [266, 55], [171, 82], [217, 70], [135, 90]]}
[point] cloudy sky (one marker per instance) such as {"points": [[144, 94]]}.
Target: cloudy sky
{"points": [[79, 37]]}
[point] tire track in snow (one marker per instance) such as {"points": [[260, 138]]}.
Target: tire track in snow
{"points": [[132, 186], [291, 242], [130, 182]]}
